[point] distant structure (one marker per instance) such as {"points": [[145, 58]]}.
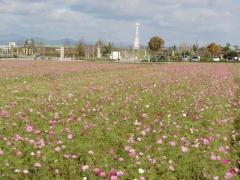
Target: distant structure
{"points": [[136, 45], [115, 55], [98, 52], [62, 53], [28, 47], [12, 45], [6, 50]]}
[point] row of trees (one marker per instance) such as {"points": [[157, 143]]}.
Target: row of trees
{"points": [[216, 49], [156, 46], [82, 48]]}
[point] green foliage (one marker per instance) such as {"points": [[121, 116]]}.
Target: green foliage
{"points": [[186, 53], [80, 49], [108, 49], [232, 54], [195, 48]]}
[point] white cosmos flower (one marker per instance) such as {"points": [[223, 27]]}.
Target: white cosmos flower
{"points": [[141, 171]]}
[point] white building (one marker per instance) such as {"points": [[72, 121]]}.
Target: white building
{"points": [[7, 49], [115, 55], [12, 45]]}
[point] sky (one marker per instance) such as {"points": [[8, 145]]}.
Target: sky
{"points": [[176, 21]]}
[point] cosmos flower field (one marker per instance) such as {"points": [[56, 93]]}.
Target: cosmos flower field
{"points": [[82, 120]]}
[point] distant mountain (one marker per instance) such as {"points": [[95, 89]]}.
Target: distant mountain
{"points": [[21, 39], [9, 38], [4, 40]]}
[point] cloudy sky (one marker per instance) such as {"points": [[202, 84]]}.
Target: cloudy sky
{"points": [[177, 21]]}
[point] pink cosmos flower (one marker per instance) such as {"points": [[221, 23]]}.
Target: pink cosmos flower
{"points": [[144, 115], [37, 132], [171, 168], [160, 141], [127, 148], [38, 154], [216, 178], [225, 138], [67, 130], [18, 138], [102, 174], [120, 173], [132, 154], [88, 126], [213, 157], [85, 168], [113, 178], [234, 170], [229, 175], [184, 149], [173, 143], [70, 136], [226, 161], [68, 156], [143, 133], [29, 128], [99, 172], [52, 122], [222, 149], [59, 142], [112, 175], [205, 141], [4, 114], [57, 149], [18, 153]]}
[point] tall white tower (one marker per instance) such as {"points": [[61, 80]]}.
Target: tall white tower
{"points": [[62, 53], [136, 45]]}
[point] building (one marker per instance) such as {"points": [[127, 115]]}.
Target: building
{"points": [[115, 55], [9, 49], [29, 47]]}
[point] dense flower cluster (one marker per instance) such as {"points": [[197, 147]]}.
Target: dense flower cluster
{"points": [[118, 121]]}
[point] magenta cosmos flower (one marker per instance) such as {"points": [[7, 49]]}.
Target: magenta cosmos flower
{"points": [[29, 128], [226, 161]]}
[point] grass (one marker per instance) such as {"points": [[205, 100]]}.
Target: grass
{"points": [[118, 121]]}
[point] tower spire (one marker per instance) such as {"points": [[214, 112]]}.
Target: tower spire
{"points": [[136, 45]]}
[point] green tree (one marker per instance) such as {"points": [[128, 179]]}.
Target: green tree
{"points": [[108, 49], [232, 54], [227, 49], [195, 48], [80, 49], [156, 44]]}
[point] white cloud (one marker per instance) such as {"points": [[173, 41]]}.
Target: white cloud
{"points": [[113, 20]]}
